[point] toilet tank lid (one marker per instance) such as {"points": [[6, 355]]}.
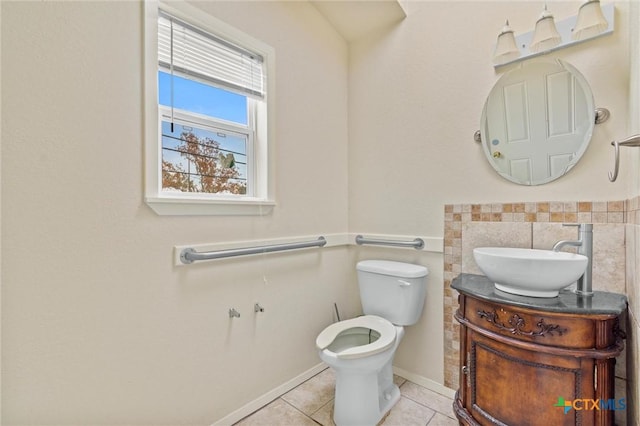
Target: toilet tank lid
{"points": [[395, 269]]}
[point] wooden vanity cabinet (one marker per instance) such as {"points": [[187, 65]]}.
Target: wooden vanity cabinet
{"points": [[519, 364]]}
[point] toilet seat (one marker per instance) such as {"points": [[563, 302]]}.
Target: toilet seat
{"points": [[385, 328]]}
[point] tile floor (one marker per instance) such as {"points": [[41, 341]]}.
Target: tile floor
{"points": [[311, 403]]}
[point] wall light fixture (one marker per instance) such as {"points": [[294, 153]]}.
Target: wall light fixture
{"points": [[506, 49], [592, 21], [546, 35]]}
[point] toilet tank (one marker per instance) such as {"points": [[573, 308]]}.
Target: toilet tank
{"points": [[392, 290]]}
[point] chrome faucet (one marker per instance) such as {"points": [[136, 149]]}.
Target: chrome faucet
{"points": [[585, 247]]}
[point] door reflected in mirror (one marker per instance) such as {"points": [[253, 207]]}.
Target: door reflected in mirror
{"points": [[537, 121]]}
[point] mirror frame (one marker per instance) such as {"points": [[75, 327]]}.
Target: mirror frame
{"points": [[525, 68]]}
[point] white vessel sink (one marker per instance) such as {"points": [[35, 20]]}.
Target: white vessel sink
{"points": [[530, 272]]}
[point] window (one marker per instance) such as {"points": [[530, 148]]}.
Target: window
{"points": [[208, 145]]}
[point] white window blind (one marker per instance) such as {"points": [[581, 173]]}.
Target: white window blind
{"points": [[195, 54]]}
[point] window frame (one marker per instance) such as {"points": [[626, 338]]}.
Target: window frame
{"points": [[260, 114]]}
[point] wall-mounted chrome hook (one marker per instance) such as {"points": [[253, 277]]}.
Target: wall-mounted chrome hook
{"points": [[257, 308], [233, 313], [630, 141], [613, 176]]}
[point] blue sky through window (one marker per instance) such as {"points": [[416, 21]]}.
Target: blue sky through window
{"points": [[190, 95]]}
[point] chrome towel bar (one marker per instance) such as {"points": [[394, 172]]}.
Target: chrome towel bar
{"points": [[630, 141], [189, 255], [417, 243]]}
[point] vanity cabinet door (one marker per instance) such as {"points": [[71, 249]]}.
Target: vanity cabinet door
{"points": [[514, 386]]}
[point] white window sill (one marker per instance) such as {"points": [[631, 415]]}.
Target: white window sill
{"points": [[178, 206]]}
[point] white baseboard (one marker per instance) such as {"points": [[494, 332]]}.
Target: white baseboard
{"points": [[424, 382], [265, 399]]}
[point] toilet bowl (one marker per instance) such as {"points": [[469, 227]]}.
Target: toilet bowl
{"points": [[361, 350], [357, 338]]}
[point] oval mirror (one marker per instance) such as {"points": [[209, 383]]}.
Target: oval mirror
{"points": [[537, 121]]}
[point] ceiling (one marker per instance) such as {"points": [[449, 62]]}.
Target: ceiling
{"points": [[356, 18]]}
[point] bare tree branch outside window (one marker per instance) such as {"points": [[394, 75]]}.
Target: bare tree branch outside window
{"points": [[208, 169]]}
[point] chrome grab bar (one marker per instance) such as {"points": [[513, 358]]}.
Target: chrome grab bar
{"points": [[189, 255], [417, 243]]}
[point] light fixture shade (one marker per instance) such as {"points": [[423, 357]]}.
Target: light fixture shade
{"points": [[546, 35], [591, 21], [506, 48]]}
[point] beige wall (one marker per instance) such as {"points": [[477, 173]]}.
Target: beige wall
{"points": [[633, 226], [375, 136], [98, 326], [416, 94]]}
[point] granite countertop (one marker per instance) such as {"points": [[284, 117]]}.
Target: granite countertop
{"points": [[601, 302]]}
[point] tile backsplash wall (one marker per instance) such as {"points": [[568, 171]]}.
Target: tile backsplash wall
{"points": [[530, 225], [632, 239], [608, 245]]}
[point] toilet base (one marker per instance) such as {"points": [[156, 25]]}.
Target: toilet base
{"points": [[385, 408], [363, 399]]}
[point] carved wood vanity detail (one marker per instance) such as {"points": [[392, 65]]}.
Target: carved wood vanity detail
{"points": [[525, 361]]}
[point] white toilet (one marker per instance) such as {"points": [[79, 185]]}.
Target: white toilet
{"points": [[361, 350]]}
